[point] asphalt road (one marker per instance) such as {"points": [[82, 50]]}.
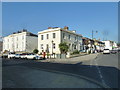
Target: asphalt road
{"points": [[32, 74], [108, 69]]}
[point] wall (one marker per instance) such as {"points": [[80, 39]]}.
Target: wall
{"points": [[108, 45], [17, 42], [31, 43], [72, 41], [46, 41]]}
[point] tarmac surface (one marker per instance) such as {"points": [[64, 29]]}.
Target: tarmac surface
{"points": [[94, 73]]}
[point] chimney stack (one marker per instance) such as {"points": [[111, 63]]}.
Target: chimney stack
{"points": [[49, 27], [66, 28]]}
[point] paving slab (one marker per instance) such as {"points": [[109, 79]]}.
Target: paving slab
{"points": [[73, 60]]}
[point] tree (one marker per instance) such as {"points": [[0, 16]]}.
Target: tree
{"points": [[35, 51], [63, 47]]}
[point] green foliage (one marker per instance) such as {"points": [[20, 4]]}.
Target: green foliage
{"points": [[48, 54], [35, 51], [76, 52], [63, 47]]}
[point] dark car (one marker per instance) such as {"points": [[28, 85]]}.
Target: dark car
{"points": [[113, 51]]}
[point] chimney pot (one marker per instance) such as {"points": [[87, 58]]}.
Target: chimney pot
{"points": [[66, 28]]}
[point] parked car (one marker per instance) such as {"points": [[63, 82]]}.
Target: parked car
{"points": [[33, 56], [23, 55], [11, 55], [113, 51], [4, 56], [106, 51], [17, 56]]}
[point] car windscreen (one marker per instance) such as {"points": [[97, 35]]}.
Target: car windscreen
{"points": [[106, 49]]}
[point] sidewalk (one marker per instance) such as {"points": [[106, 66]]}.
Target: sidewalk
{"points": [[73, 60]]}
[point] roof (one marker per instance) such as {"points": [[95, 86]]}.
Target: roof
{"points": [[23, 31], [57, 29], [31, 34]]}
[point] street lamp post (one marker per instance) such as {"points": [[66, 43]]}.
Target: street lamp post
{"points": [[93, 32], [92, 39]]}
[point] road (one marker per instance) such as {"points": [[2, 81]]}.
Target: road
{"points": [[107, 67], [102, 71]]}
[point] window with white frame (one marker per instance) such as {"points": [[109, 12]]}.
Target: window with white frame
{"points": [[53, 35], [75, 46], [69, 37], [75, 38], [22, 44], [17, 38], [22, 37], [17, 45], [41, 46], [63, 35], [47, 36], [42, 37], [54, 46]]}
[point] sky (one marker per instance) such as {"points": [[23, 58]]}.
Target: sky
{"points": [[80, 16]]}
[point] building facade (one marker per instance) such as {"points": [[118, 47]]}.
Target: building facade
{"points": [[99, 45], [92, 45], [109, 44], [21, 41], [49, 40]]}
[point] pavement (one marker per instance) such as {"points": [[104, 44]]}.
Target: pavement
{"points": [[73, 60]]}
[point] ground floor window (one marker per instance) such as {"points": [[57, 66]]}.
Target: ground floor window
{"points": [[41, 46], [54, 46], [75, 46]]}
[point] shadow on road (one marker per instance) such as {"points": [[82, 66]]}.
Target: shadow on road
{"points": [[103, 74]]}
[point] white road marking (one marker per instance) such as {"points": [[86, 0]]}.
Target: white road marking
{"points": [[91, 63], [99, 72]]}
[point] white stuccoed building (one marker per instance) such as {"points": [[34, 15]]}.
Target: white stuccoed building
{"points": [[49, 40], [21, 41], [109, 44]]}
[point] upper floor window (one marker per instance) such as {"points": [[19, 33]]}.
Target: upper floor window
{"points": [[22, 37], [53, 35], [80, 38], [75, 38], [47, 36], [12, 39], [17, 38], [41, 37], [69, 37], [63, 35]]}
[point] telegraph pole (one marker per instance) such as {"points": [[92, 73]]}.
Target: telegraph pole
{"points": [[92, 39]]}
